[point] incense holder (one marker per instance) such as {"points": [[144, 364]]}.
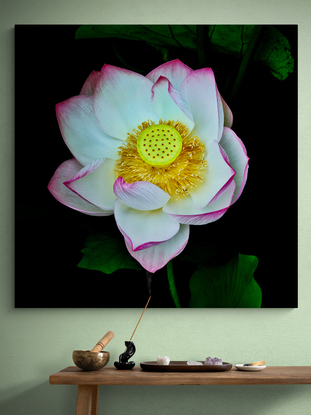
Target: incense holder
{"points": [[123, 363]]}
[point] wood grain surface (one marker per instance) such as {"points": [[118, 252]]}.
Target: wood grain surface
{"points": [[272, 375]]}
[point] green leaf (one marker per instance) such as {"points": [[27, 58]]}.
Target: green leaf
{"points": [[104, 253], [171, 283], [273, 49], [156, 35], [252, 296], [226, 286], [230, 38]]}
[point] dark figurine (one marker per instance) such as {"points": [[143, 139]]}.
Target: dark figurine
{"points": [[123, 362]]}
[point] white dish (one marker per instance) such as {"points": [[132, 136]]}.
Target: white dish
{"points": [[249, 368]]}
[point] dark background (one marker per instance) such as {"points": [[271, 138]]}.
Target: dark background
{"points": [[51, 66]]}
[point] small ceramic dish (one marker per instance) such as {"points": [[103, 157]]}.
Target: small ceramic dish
{"points": [[250, 368]]}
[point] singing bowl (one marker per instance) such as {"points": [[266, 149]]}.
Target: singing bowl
{"points": [[87, 360]]}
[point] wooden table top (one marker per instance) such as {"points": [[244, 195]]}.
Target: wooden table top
{"points": [[271, 375]]}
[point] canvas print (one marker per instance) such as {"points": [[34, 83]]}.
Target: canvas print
{"points": [[156, 162]]}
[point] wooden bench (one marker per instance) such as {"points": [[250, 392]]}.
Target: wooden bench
{"points": [[88, 382]]}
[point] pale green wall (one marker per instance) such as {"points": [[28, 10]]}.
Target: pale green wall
{"points": [[35, 343]]}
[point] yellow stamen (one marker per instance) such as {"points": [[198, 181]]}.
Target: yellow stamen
{"points": [[178, 176]]}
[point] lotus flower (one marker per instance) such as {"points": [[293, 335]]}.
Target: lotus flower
{"points": [[155, 151]]}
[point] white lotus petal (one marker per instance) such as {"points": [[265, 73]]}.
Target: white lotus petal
{"points": [[175, 71], [228, 116], [200, 93], [90, 84], [66, 171], [236, 152], [169, 104], [184, 211], [217, 175], [143, 229], [81, 131], [95, 183], [156, 257], [122, 101], [140, 195]]}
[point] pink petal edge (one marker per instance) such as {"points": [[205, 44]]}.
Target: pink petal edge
{"points": [[208, 217], [65, 196], [94, 184], [156, 257], [140, 247], [89, 85], [174, 94], [140, 195], [229, 135], [175, 71]]}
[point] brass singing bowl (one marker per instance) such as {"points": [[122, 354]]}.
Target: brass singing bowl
{"points": [[88, 360]]}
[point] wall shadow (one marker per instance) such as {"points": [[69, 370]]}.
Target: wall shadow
{"points": [[155, 400], [42, 399]]}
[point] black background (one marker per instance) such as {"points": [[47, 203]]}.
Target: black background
{"points": [[50, 67]]}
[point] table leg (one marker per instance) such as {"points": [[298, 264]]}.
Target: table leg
{"points": [[87, 400]]}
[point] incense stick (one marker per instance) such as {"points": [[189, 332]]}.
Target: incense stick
{"points": [[140, 318]]}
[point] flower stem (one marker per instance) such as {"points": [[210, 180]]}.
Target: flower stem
{"points": [[247, 57], [171, 282], [201, 46]]}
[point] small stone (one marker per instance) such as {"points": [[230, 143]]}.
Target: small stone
{"points": [[163, 360], [208, 361], [194, 363], [213, 361]]}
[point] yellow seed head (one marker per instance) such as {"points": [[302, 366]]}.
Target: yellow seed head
{"points": [[178, 172]]}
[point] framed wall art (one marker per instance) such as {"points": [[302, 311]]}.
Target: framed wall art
{"points": [[156, 160]]}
